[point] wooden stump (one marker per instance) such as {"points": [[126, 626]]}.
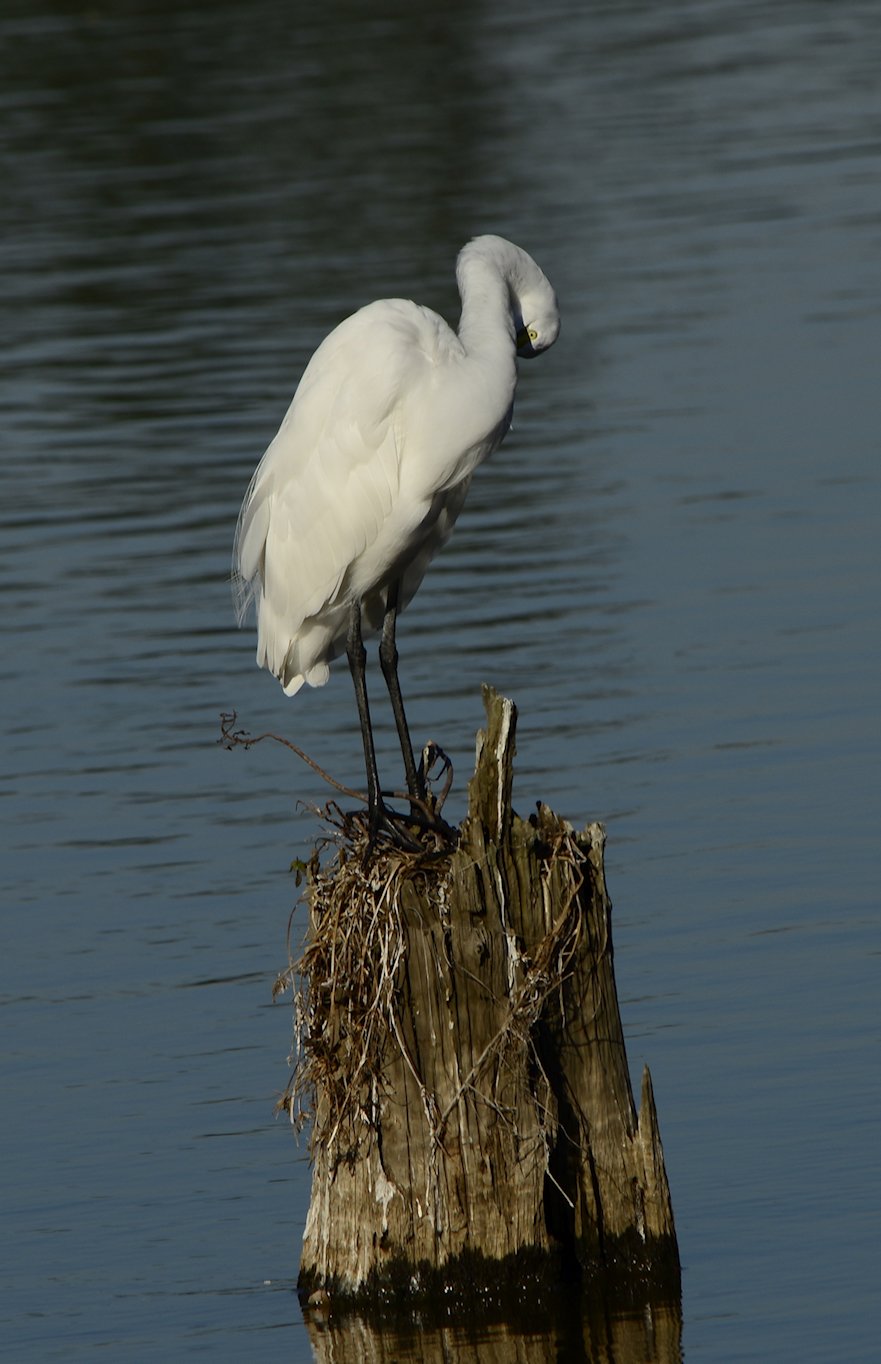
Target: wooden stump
{"points": [[474, 1130]]}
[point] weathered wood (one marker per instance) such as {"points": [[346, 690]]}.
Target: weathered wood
{"points": [[473, 1116]]}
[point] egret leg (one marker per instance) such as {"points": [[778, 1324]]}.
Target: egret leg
{"points": [[357, 656], [378, 817], [388, 659]]}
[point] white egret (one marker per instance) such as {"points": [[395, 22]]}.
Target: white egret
{"points": [[370, 468]]}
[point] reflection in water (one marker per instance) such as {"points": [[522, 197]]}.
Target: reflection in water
{"points": [[650, 1337]]}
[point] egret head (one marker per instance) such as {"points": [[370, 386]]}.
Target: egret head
{"points": [[534, 307], [537, 327], [531, 298]]}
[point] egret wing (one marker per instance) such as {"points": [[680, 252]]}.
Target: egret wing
{"points": [[326, 487]]}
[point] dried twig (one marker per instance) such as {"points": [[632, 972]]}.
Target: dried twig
{"points": [[240, 738], [424, 814]]}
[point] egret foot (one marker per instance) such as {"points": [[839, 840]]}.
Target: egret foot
{"points": [[381, 826], [427, 820], [432, 755], [425, 803], [392, 827]]}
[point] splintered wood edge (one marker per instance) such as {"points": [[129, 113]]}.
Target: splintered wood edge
{"points": [[489, 791], [657, 1189]]}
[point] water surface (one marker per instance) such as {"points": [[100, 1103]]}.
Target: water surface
{"points": [[672, 566]]}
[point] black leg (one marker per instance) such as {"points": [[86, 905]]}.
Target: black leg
{"points": [[357, 656], [388, 658], [379, 818]]}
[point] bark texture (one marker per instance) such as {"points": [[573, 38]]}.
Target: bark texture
{"points": [[473, 1120]]}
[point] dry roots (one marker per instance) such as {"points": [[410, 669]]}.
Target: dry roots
{"points": [[348, 996]]}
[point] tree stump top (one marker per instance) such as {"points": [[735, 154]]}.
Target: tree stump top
{"points": [[463, 1058]]}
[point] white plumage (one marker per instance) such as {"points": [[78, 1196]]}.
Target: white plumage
{"points": [[370, 467]]}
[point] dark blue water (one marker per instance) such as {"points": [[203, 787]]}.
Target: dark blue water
{"points": [[672, 566]]}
